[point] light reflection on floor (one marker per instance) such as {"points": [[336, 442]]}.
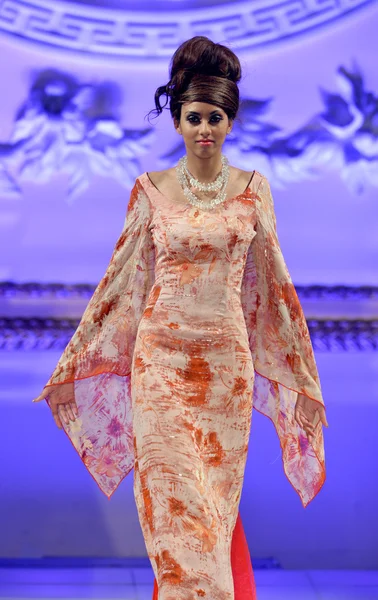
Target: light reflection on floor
{"points": [[135, 583]]}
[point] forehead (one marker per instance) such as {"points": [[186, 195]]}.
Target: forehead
{"points": [[201, 107]]}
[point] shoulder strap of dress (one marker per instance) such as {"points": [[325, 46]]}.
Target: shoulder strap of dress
{"points": [[255, 180]]}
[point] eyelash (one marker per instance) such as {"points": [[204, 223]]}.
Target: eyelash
{"points": [[192, 119]]}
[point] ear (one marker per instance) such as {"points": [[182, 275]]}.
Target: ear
{"points": [[230, 124], [177, 126]]}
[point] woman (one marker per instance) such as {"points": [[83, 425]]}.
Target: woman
{"points": [[195, 321]]}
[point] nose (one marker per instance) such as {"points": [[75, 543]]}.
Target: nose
{"points": [[205, 129]]}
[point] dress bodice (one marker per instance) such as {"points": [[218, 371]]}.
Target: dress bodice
{"points": [[201, 253]]}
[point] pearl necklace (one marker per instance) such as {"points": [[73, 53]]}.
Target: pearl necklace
{"points": [[220, 183]]}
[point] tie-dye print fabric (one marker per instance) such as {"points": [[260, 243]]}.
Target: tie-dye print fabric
{"points": [[195, 322]]}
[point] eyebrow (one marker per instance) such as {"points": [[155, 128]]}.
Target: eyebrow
{"points": [[194, 112]]}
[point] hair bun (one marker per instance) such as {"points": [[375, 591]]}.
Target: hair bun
{"points": [[202, 56], [201, 71]]}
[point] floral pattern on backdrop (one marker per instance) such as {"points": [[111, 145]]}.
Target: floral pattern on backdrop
{"points": [[75, 128], [343, 138], [65, 126]]}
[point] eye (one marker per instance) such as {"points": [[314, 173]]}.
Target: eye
{"points": [[214, 119]]}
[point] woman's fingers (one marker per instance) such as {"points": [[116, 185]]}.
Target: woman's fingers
{"points": [[305, 424], [308, 413], [303, 420], [55, 414], [63, 413], [74, 408], [308, 428], [306, 421], [323, 417], [61, 400], [70, 411], [298, 418], [42, 396]]}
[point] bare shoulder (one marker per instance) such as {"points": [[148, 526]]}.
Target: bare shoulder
{"points": [[241, 175], [166, 180], [160, 178]]}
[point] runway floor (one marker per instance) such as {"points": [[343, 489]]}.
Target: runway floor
{"points": [[135, 583]]}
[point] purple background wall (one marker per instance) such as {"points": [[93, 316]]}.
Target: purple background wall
{"points": [[326, 198]]}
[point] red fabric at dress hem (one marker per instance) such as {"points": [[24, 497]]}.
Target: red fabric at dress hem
{"points": [[244, 582]]}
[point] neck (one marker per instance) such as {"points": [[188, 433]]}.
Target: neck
{"points": [[204, 169]]}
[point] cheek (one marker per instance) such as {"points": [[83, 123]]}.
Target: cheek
{"points": [[221, 131], [189, 131], [186, 129]]}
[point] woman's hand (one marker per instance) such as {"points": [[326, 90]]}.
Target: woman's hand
{"points": [[61, 399], [308, 413]]}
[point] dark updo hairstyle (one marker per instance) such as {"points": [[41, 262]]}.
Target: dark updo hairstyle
{"points": [[201, 71]]}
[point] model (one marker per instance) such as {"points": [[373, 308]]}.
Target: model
{"points": [[195, 322]]}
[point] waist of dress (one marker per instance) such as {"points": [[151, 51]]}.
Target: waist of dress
{"points": [[196, 310], [168, 326]]}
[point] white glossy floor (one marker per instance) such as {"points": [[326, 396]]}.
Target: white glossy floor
{"points": [[136, 584]]}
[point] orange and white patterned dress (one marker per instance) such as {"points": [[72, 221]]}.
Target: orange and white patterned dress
{"points": [[195, 323]]}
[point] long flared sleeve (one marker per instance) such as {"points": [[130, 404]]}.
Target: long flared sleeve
{"points": [[95, 366], [281, 349]]}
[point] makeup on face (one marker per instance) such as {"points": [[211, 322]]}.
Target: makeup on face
{"points": [[194, 117], [203, 127]]}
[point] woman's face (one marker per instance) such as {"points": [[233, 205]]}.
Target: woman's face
{"points": [[201, 123]]}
